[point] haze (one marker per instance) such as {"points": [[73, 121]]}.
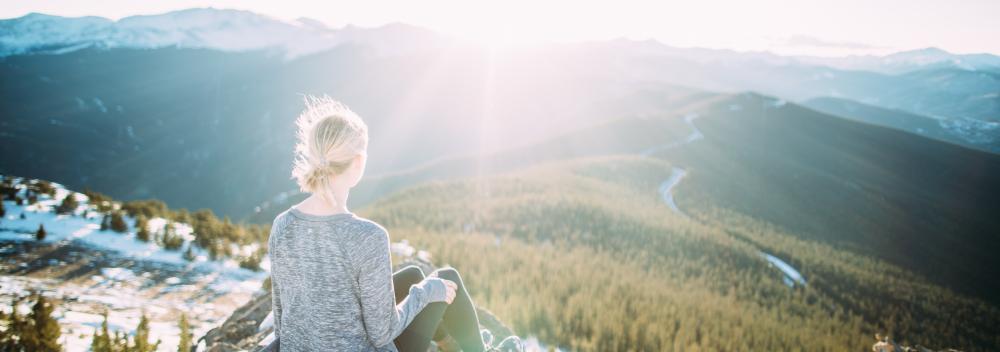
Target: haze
{"points": [[823, 28]]}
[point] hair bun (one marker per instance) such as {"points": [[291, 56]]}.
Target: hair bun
{"points": [[329, 137]]}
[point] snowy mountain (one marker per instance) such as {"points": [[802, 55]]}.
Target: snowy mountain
{"points": [[88, 271], [237, 30], [909, 61], [221, 29]]}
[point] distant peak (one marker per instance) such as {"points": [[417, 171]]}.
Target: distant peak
{"points": [[928, 51], [932, 49], [39, 15], [312, 22]]}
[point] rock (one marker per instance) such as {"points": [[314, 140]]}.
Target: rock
{"points": [[242, 331]]}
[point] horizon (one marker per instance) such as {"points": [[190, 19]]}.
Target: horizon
{"points": [[960, 31], [762, 176]]}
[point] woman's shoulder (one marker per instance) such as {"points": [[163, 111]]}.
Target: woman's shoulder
{"points": [[280, 221], [368, 229]]}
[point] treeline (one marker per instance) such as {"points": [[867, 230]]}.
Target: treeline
{"points": [[104, 340], [36, 331], [39, 331], [585, 255], [216, 236]]}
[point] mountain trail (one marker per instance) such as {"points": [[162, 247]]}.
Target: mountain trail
{"points": [[677, 174]]}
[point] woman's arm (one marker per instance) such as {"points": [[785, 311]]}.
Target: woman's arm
{"points": [[383, 319], [275, 292]]}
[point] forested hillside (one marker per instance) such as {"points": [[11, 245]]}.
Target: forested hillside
{"points": [[922, 204], [585, 254]]}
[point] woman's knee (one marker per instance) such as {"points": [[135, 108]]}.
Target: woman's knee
{"points": [[410, 273], [448, 273]]}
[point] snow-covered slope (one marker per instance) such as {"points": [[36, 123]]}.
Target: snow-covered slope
{"points": [[907, 61], [193, 28], [87, 270]]}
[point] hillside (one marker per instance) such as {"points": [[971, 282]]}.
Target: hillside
{"points": [[635, 134], [646, 278], [968, 133], [896, 196], [921, 204], [87, 269]]}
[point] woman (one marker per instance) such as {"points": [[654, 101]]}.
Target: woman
{"points": [[332, 285]]}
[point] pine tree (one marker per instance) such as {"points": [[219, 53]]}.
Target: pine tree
{"points": [[185, 343], [120, 342], [15, 325], [189, 253], [5, 333], [141, 339], [142, 233], [102, 338], [106, 222], [68, 204], [40, 234], [118, 223], [251, 262], [46, 328]]}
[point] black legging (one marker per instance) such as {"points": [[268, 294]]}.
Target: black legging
{"points": [[457, 319]]}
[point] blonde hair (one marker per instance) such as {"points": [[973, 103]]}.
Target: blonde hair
{"points": [[330, 135]]}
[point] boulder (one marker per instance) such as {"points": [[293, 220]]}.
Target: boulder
{"points": [[250, 327]]}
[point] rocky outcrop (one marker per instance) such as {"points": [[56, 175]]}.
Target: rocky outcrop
{"points": [[885, 344], [243, 330]]}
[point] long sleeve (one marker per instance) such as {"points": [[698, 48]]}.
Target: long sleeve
{"points": [[383, 319], [275, 292]]}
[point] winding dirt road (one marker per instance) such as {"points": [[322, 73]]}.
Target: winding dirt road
{"points": [[677, 174]]}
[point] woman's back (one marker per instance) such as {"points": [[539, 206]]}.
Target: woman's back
{"points": [[315, 261]]}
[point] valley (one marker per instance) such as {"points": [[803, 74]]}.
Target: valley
{"points": [[610, 195]]}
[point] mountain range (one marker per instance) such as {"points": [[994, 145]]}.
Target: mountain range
{"points": [[123, 96], [618, 195]]}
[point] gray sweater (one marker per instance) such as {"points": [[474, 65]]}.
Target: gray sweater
{"points": [[331, 282]]}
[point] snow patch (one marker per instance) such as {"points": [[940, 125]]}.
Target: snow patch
{"points": [[667, 188], [791, 277]]}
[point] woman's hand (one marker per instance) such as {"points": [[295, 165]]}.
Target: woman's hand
{"points": [[440, 290], [452, 287]]}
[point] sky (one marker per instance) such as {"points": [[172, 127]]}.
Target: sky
{"points": [[801, 27]]}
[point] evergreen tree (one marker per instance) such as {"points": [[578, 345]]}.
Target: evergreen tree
{"points": [[171, 240], [102, 338], [15, 326], [142, 233], [252, 261], [118, 222], [189, 253], [106, 222], [141, 340], [120, 342], [5, 333], [68, 204], [40, 234], [185, 343], [45, 327]]}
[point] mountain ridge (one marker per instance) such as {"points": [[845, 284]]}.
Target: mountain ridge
{"points": [[893, 63]]}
